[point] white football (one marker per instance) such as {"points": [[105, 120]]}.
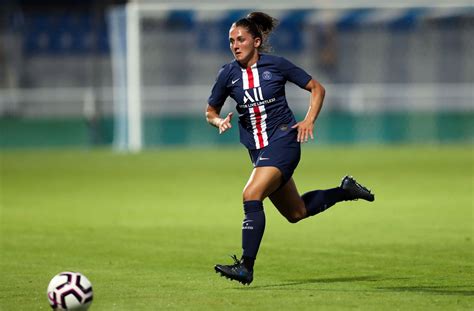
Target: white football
{"points": [[69, 291]]}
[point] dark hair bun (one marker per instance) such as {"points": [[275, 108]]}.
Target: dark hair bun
{"points": [[259, 25], [264, 22]]}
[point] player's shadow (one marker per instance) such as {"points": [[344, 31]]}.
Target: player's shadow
{"points": [[463, 290], [365, 278], [441, 290]]}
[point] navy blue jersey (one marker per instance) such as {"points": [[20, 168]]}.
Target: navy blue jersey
{"points": [[259, 91]]}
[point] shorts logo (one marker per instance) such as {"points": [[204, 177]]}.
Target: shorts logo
{"points": [[284, 127], [246, 225], [267, 75]]}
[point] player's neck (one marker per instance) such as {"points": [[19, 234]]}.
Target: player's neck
{"points": [[252, 61]]}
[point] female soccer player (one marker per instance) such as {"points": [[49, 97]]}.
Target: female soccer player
{"points": [[256, 81]]}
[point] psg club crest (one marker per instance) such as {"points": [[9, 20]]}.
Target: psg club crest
{"points": [[267, 75]]}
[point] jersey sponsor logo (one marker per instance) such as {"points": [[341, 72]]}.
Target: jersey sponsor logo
{"points": [[249, 104], [257, 95], [235, 81], [267, 75]]}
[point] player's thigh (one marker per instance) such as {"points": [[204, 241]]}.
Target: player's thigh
{"points": [[262, 182], [287, 200]]}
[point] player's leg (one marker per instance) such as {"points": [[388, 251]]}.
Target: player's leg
{"points": [[262, 182], [295, 207], [288, 202]]}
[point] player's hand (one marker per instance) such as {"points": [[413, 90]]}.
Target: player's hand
{"points": [[305, 131], [224, 125]]}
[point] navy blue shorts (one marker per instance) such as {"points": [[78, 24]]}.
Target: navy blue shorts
{"points": [[283, 153]]}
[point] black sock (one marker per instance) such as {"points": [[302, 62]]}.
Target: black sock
{"points": [[318, 201], [253, 227], [248, 262]]}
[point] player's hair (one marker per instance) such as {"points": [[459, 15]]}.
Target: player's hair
{"points": [[259, 25]]}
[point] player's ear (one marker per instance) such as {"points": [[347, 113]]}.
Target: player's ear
{"points": [[257, 42]]}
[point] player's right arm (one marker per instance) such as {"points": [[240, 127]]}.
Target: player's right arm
{"points": [[219, 93], [213, 118]]}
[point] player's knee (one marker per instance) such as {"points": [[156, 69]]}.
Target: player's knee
{"points": [[295, 216], [292, 220], [251, 193]]}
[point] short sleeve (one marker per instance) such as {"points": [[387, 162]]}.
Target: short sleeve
{"points": [[219, 92], [294, 73]]}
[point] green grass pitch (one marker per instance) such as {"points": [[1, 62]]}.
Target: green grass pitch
{"points": [[147, 230]]}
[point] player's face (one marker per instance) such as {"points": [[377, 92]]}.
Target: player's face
{"points": [[243, 45]]}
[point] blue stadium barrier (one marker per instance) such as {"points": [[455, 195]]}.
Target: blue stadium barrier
{"points": [[72, 32], [66, 33]]}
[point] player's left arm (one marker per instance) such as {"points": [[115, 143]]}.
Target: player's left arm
{"points": [[306, 127]]}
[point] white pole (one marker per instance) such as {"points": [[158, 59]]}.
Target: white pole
{"points": [[118, 41], [133, 78]]}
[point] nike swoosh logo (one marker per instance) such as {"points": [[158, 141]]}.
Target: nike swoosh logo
{"points": [[233, 81], [263, 159]]}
